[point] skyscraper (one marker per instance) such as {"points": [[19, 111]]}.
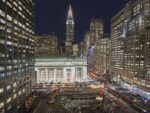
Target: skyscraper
{"points": [[96, 30], [16, 52], [130, 45], [70, 26], [69, 31], [86, 43], [102, 54]]}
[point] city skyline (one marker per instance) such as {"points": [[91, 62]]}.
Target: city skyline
{"points": [[51, 71], [51, 16]]}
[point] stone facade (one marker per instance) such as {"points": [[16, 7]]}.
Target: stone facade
{"points": [[61, 70]]}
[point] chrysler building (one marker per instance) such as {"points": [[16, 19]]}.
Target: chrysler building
{"points": [[69, 31]]}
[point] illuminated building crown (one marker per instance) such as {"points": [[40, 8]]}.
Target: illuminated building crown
{"points": [[70, 16]]}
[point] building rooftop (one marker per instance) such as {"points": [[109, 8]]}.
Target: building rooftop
{"points": [[59, 59]]}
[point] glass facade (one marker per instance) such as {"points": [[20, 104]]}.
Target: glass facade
{"points": [[16, 51], [130, 42]]}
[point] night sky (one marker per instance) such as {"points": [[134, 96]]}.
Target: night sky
{"points": [[50, 15]]}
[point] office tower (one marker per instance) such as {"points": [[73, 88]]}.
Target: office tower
{"points": [[46, 45], [118, 34], [130, 44], [96, 30], [102, 54], [16, 52], [86, 43], [69, 31]]}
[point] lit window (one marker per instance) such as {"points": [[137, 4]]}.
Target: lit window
{"points": [[1, 104], [1, 68], [1, 90], [19, 93], [14, 90], [8, 87], [3, 0], [15, 95], [8, 100], [9, 107], [2, 13], [2, 21], [14, 85], [15, 3], [9, 17], [23, 90], [9, 4], [15, 21]]}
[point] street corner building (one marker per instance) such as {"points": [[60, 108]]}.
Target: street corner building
{"points": [[16, 52]]}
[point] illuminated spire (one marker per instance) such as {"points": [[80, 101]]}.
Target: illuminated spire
{"points": [[70, 26], [70, 16]]}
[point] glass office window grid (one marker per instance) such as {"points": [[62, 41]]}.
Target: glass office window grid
{"points": [[135, 62], [103, 54], [16, 49]]}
